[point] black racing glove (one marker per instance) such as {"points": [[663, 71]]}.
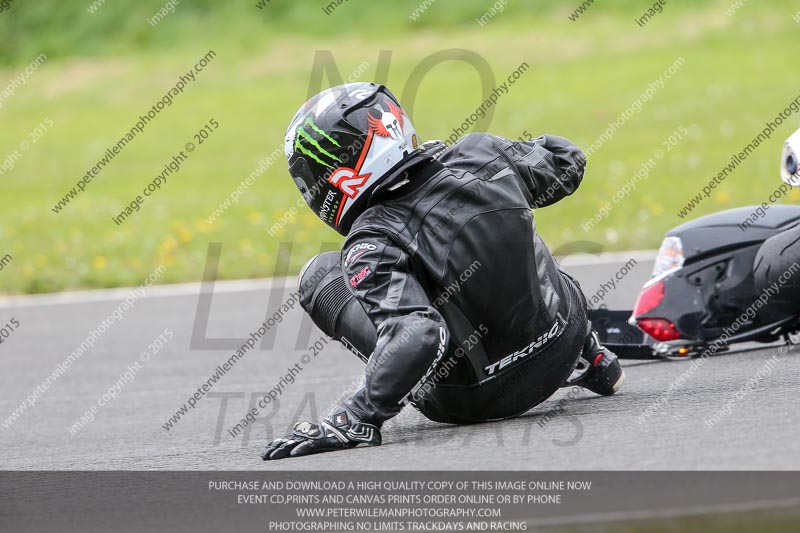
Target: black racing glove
{"points": [[339, 431]]}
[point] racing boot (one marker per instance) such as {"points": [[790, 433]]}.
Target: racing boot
{"points": [[598, 369]]}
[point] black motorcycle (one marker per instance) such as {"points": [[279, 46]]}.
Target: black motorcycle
{"points": [[721, 280]]}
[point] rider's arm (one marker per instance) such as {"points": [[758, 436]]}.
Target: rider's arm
{"points": [[412, 336], [550, 167]]}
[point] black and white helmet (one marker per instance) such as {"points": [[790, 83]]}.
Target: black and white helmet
{"points": [[342, 143]]}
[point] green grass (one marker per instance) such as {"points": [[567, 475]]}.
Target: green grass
{"points": [[737, 75]]}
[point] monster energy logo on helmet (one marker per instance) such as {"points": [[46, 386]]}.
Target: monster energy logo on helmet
{"points": [[305, 143]]}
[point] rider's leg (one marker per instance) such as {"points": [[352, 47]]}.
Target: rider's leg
{"points": [[333, 308]]}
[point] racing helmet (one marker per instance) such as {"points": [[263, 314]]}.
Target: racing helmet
{"points": [[342, 143]]}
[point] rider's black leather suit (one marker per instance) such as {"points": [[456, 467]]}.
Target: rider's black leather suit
{"points": [[444, 285]]}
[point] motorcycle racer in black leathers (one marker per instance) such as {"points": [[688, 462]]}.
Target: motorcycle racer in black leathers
{"points": [[443, 286]]}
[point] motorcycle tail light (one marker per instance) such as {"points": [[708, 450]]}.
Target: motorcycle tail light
{"points": [[660, 329], [650, 298], [670, 256]]}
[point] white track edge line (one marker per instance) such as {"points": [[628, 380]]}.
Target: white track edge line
{"points": [[244, 285]]}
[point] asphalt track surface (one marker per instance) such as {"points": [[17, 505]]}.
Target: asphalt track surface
{"points": [[761, 432]]}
